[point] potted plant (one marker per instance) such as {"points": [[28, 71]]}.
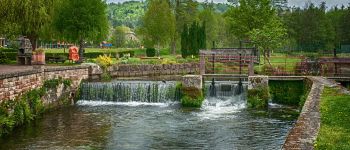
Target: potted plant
{"points": [[39, 57]]}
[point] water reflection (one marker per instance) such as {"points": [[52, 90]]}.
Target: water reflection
{"points": [[150, 127]]}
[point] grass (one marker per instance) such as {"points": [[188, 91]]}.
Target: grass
{"points": [[335, 121]]}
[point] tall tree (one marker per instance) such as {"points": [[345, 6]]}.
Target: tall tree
{"points": [[158, 24], [269, 37], [311, 28], [249, 15], [81, 21], [119, 35], [28, 16]]}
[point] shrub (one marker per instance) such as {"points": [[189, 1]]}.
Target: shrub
{"points": [[190, 96], [286, 92], [258, 98], [104, 61], [11, 55], [105, 77], [3, 58], [151, 52]]}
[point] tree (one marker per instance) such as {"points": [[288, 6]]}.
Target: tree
{"points": [[27, 16], [311, 28], [81, 21], [158, 24], [184, 42], [193, 39], [118, 37], [249, 15], [269, 37]]}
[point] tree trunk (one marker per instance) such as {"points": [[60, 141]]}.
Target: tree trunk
{"points": [[81, 51], [33, 40], [267, 58], [173, 47]]}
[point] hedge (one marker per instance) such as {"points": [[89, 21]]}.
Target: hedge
{"points": [[13, 55]]}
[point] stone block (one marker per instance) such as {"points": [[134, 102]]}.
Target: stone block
{"points": [[192, 81], [257, 81]]}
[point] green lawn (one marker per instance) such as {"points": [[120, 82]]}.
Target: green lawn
{"points": [[335, 121]]}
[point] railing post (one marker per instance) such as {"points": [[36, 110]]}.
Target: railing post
{"points": [[202, 64], [213, 63]]}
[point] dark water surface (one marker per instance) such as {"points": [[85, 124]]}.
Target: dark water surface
{"points": [[110, 125]]}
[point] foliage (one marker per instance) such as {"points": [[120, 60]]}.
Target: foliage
{"points": [[151, 52], [249, 15], [190, 96], [104, 61], [27, 107], [270, 37], [20, 111], [193, 39], [287, 92], [119, 36], [76, 22], [27, 16], [335, 120], [126, 14], [106, 77], [311, 28], [258, 98], [90, 55], [54, 83], [158, 24], [3, 58]]}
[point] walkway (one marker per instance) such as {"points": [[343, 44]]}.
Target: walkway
{"points": [[7, 69], [305, 131]]}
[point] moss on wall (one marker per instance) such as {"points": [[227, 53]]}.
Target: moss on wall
{"points": [[290, 92], [286, 92], [258, 98], [190, 96]]}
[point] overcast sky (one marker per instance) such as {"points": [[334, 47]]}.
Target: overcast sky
{"points": [[291, 2]]}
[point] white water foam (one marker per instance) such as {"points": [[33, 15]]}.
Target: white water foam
{"points": [[218, 108], [131, 104]]}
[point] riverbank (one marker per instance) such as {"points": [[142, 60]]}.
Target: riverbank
{"points": [[335, 120]]}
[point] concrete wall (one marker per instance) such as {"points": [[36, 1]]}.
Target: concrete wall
{"points": [[14, 84]]}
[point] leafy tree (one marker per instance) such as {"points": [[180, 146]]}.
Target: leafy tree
{"points": [[158, 24], [193, 39], [184, 42], [27, 16], [269, 37], [118, 37], [249, 15], [81, 21], [311, 28]]}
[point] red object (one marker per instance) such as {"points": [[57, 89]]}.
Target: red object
{"points": [[73, 53]]}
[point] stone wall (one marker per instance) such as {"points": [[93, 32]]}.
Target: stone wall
{"points": [[14, 84], [153, 70], [304, 133]]}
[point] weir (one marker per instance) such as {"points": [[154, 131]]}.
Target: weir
{"points": [[131, 91]]}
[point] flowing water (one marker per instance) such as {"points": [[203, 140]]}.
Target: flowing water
{"points": [[147, 115]]}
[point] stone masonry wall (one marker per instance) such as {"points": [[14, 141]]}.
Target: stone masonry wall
{"points": [[14, 84], [153, 70]]}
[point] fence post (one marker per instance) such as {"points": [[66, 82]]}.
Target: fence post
{"points": [[202, 64]]}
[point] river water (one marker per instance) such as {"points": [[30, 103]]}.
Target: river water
{"points": [[221, 123]]}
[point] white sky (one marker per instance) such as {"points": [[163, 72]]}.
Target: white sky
{"points": [[300, 3]]}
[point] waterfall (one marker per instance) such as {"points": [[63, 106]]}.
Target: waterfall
{"points": [[226, 100], [130, 91]]}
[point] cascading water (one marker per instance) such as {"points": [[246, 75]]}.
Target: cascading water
{"points": [[130, 91], [226, 99]]}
